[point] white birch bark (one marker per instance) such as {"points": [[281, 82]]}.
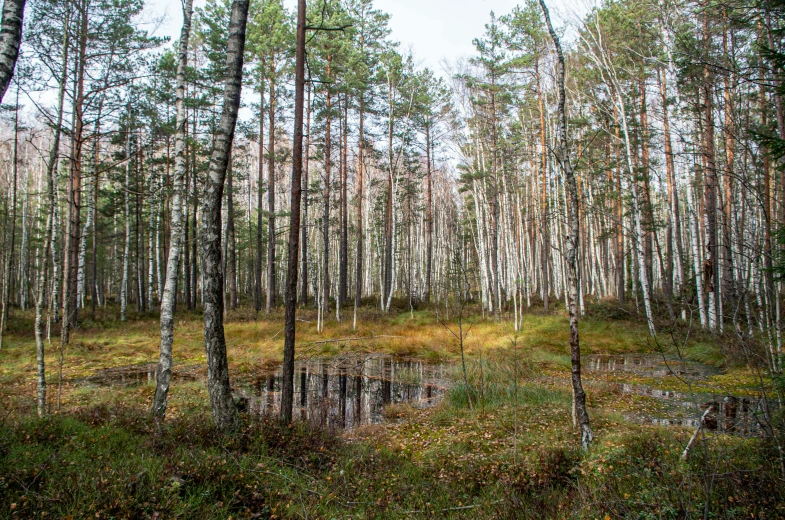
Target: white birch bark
{"points": [[127, 238], [23, 252], [10, 40], [163, 371]]}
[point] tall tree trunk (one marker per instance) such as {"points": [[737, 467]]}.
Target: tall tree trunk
{"points": [[647, 210], [304, 223], [51, 169], [10, 40], [139, 245], [259, 202], [290, 301], [495, 207], [94, 281], [271, 194], [23, 251], [428, 216], [81, 276], [195, 197], [710, 271], [571, 245], [224, 411], [545, 246], [674, 222], [43, 263], [186, 232], [163, 372], [9, 249], [358, 288], [343, 264], [387, 289], [768, 213], [728, 281], [71, 247], [326, 196], [127, 213], [54, 155], [231, 239], [617, 200]]}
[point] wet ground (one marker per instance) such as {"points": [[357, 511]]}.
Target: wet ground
{"points": [[342, 392], [349, 391], [134, 375], [353, 390], [744, 415]]}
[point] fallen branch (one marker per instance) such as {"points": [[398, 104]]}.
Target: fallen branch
{"points": [[695, 435]]}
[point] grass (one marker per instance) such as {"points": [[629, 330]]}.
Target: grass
{"points": [[106, 342], [512, 454]]}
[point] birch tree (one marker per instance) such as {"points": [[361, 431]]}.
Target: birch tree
{"points": [[163, 371], [224, 411]]}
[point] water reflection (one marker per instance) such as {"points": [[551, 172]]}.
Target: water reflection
{"points": [[143, 374], [653, 365], [726, 413], [743, 416], [350, 391]]}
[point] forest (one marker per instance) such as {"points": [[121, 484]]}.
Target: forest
{"points": [[278, 268]]}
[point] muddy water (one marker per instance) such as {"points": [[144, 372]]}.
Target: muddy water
{"points": [[727, 413], [343, 392]]}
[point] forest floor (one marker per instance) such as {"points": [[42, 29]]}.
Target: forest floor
{"points": [[508, 450]]}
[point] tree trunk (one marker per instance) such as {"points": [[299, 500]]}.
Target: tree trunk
{"points": [[388, 220], [186, 234], [49, 236], [343, 264], [290, 301], [544, 240], [728, 282], [94, 281], [195, 197], [326, 197], [259, 202], [428, 216], [81, 277], [23, 246], [674, 222], [710, 271], [231, 239], [304, 223], [163, 372], [358, 289], [127, 212], [71, 247], [647, 214], [10, 40], [571, 244], [224, 411], [9, 250], [271, 195]]}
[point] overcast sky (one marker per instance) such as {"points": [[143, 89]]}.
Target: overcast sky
{"points": [[434, 29]]}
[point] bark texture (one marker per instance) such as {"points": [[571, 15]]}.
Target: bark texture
{"points": [[579, 396], [287, 385], [224, 411], [10, 40], [163, 371]]}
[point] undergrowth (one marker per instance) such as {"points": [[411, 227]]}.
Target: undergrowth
{"points": [[501, 446]]}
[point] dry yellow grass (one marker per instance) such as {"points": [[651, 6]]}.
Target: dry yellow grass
{"points": [[255, 343]]}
